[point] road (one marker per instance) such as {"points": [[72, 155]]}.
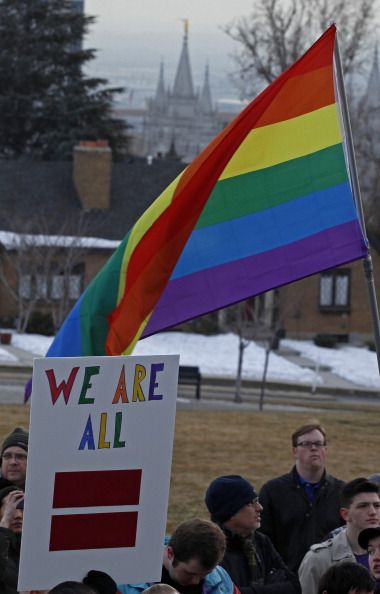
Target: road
{"points": [[219, 395]]}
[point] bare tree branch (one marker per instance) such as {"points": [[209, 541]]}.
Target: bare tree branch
{"points": [[276, 33]]}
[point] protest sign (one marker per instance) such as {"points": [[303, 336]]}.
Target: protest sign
{"points": [[100, 448]]}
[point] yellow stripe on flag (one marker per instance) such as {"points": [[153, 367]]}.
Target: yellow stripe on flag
{"points": [[286, 140]]}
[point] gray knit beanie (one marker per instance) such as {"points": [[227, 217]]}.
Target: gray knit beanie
{"points": [[18, 438]]}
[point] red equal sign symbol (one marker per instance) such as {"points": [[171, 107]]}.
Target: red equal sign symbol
{"points": [[102, 530]]}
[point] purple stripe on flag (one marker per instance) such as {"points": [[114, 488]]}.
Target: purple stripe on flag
{"points": [[199, 293]]}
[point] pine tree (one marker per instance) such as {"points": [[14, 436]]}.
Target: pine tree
{"points": [[47, 104]]}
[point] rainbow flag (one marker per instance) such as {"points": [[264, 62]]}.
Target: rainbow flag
{"points": [[266, 203]]}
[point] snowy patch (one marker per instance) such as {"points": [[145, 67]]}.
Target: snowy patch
{"points": [[32, 343], [355, 364], [6, 356], [218, 356]]}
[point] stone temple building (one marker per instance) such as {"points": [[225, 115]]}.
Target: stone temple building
{"points": [[180, 121]]}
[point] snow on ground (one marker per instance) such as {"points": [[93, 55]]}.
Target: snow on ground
{"points": [[218, 356], [6, 356], [33, 343], [358, 365]]}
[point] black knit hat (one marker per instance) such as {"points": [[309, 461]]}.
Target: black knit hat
{"points": [[5, 491], [226, 495], [18, 438], [101, 582], [366, 535]]}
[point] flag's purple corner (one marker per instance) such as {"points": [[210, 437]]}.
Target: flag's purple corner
{"points": [[27, 390]]}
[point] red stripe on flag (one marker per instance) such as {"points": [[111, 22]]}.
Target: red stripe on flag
{"points": [[100, 487], [93, 531]]}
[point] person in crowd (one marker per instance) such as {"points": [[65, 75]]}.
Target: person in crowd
{"points": [[302, 506], [101, 582], [250, 558], [360, 508], [11, 516], [190, 561], [369, 540], [346, 578], [14, 454]]}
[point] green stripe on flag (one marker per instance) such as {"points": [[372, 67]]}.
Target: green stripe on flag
{"points": [[252, 192]]}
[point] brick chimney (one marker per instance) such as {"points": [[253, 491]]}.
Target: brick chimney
{"points": [[92, 173]]}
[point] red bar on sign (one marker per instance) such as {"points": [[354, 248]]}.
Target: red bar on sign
{"points": [[97, 488], [93, 531]]}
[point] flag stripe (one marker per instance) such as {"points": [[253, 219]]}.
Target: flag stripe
{"points": [[93, 531], [275, 227], [146, 220], [97, 488], [285, 140], [229, 283], [97, 302], [244, 194], [289, 104]]}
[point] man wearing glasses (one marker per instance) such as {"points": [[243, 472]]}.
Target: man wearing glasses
{"points": [[250, 558], [302, 506], [14, 454]]}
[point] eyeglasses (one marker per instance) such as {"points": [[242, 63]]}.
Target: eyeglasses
{"points": [[311, 444], [18, 457]]}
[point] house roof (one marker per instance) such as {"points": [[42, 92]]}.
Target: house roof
{"points": [[40, 197]]}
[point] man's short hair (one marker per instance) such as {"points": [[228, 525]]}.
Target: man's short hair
{"points": [[346, 578], [307, 429], [358, 485], [198, 539]]}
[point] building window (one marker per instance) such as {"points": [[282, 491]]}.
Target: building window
{"points": [[55, 286], [334, 290], [70, 283]]}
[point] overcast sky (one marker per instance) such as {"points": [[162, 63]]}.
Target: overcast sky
{"points": [[129, 31]]}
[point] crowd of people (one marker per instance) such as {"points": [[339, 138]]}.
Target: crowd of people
{"points": [[305, 532]]}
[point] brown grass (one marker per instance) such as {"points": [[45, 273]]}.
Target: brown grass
{"points": [[256, 445]]}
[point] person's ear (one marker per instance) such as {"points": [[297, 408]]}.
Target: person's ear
{"points": [[344, 513], [170, 553]]}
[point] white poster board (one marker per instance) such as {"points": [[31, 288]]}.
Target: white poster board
{"points": [[99, 461]]}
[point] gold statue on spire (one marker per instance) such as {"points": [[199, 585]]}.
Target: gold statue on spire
{"points": [[185, 26]]}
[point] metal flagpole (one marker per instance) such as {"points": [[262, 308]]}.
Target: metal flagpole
{"points": [[367, 261]]}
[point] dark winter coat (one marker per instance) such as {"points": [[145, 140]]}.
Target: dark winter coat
{"points": [[292, 522], [9, 560], [273, 575]]}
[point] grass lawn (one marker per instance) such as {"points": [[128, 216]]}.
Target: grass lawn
{"points": [[256, 445]]}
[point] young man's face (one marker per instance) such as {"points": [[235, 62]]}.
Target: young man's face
{"points": [[186, 573], [310, 452], [247, 519], [13, 465], [364, 511], [374, 557]]}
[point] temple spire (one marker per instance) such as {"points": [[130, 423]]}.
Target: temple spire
{"points": [[205, 101], [160, 97], [183, 83]]}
